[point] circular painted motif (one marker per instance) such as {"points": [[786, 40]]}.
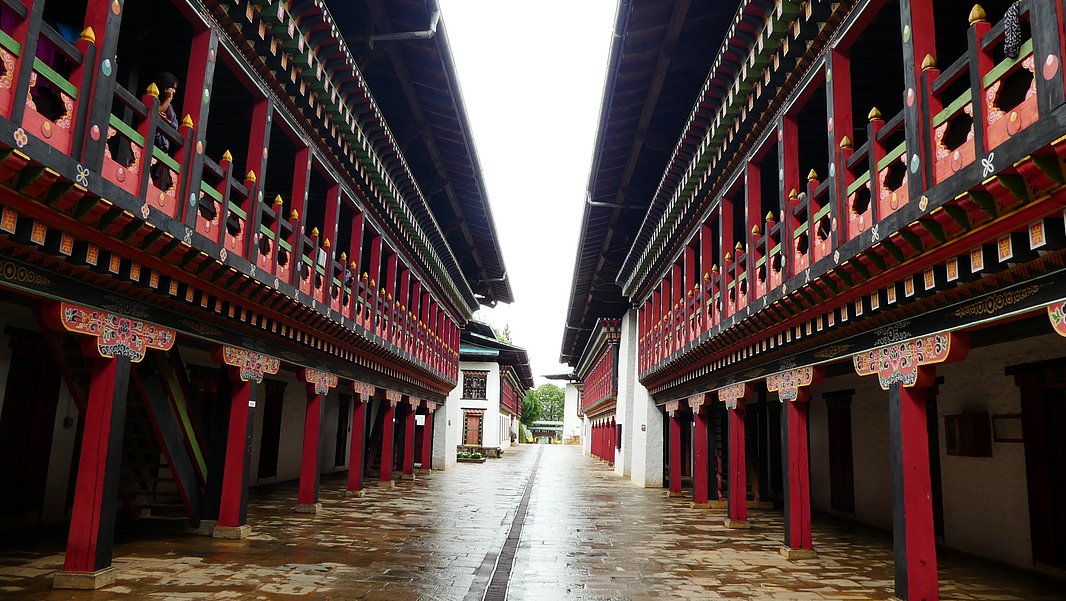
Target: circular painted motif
{"points": [[46, 129], [915, 163], [832, 170], [94, 132], [105, 67], [1051, 66], [829, 123], [120, 174], [162, 201], [906, 33], [192, 199], [199, 147], [116, 7], [910, 96]]}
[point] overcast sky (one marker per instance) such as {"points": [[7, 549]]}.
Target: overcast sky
{"points": [[532, 77]]}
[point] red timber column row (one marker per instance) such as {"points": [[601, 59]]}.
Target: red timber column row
{"points": [[734, 397], [112, 343], [907, 370], [427, 438], [388, 434], [319, 383], [673, 410], [794, 389], [245, 367], [362, 393]]}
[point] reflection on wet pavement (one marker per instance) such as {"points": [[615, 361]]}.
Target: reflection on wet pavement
{"points": [[587, 535]]}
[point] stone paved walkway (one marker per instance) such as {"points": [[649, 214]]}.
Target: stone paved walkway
{"points": [[587, 535]]}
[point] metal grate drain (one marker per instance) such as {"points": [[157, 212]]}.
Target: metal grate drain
{"points": [[501, 574]]}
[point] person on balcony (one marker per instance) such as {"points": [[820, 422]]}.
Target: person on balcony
{"points": [[168, 88]]}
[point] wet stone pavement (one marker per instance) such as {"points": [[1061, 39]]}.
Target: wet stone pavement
{"points": [[585, 535]]}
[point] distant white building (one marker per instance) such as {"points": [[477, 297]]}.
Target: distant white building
{"points": [[485, 407]]}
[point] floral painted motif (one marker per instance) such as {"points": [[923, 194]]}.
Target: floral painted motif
{"points": [[393, 396], [672, 406], [1057, 314], [251, 366], [899, 361], [323, 381], [21, 138], [697, 400], [116, 335]]}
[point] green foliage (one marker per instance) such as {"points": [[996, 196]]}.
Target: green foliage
{"points": [[468, 455], [551, 402], [530, 407], [503, 335]]}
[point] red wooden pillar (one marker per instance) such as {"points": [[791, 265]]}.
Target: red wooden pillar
{"points": [[427, 438], [318, 385], [907, 370], [673, 410], [610, 441], [700, 405], [409, 439], [388, 432], [92, 520], [363, 393], [733, 396], [111, 348], [793, 387], [246, 367]]}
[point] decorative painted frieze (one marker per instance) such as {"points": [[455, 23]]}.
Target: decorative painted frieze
{"points": [[116, 335], [393, 396]]}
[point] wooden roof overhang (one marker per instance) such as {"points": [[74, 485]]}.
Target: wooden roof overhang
{"points": [[660, 56], [325, 76], [481, 334], [606, 332], [417, 90], [744, 89]]}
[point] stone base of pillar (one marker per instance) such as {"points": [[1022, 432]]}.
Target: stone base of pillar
{"points": [[354, 493], [385, 483], [674, 495], [206, 527], [397, 475], [699, 505], [792, 554], [423, 471], [85, 581], [737, 524], [232, 532], [407, 476], [718, 504], [760, 505], [312, 508]]}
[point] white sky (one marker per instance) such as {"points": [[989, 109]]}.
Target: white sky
{"points": [[532, 78]]}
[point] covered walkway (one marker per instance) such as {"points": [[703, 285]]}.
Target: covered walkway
{"points": [[586, 534]]}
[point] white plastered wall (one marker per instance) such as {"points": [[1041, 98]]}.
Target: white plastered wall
{"points": [[490, 420], [572, 423], [644, 436]]}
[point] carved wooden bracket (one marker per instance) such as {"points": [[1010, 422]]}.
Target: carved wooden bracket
{"points": [[672, 406], [697, 400], [734, 394], [250, 366], [322, 381], [116, 335], [903, 361], [364, 390], [787, 383], [393, 396]]}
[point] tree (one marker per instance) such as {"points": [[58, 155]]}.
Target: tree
{"points": [[551, 399], [503, 335], [530, 408]]}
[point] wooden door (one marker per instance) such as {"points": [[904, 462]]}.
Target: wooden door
{"points": [[472, 431]]}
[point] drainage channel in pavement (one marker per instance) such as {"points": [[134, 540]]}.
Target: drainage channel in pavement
{"points": [[493, 586]]}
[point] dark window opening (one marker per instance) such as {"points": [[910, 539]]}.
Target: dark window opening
{"points": [[1013, 89], [813, 132], [769, 186], [231, 122], [958, 131], [861, 200]]}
